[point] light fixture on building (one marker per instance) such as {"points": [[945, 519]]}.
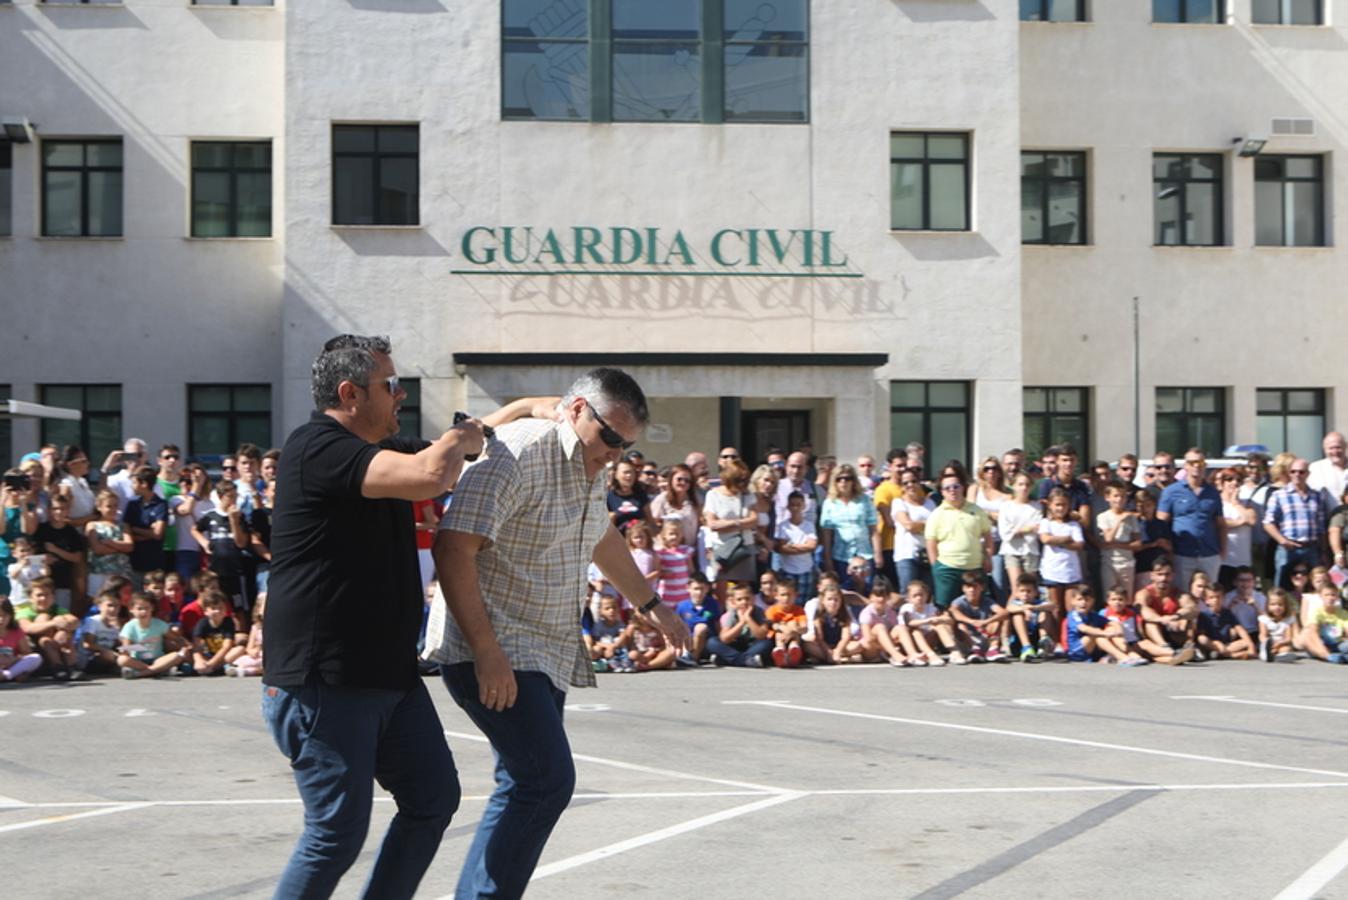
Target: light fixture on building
{"points": [[1252, 145], [17, 129]]}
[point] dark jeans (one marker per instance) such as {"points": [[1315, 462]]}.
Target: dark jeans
{"points": [[731, 656], [535, 777], [187, 563], [911, 570], [1284, 558], [340, 740]]}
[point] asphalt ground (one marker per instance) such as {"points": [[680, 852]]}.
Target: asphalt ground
{"points": [[1218, 780]]}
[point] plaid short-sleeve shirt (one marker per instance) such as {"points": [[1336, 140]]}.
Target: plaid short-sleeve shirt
{"points": [[542, 518]]}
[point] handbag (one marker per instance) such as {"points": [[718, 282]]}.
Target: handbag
{"points": [[731, 552]]}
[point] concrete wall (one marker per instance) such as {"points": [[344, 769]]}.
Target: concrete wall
{"points": [[1237, 316], [154, 309]]}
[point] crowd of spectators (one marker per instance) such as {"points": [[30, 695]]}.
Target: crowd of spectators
{"points": [[799, 560]]}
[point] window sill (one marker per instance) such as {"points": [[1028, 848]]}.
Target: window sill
{"points": [[1041, 246], [80, 239], [1191, 24], [214, 6], [1060, 22], [377, 227], [1285, 25], [1314, 248], [928, 232], [210, 240]]}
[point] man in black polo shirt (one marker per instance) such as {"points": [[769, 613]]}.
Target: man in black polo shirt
{"points": [[343, 615]]}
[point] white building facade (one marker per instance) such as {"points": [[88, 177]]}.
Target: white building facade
{"points": [[858, 223]]}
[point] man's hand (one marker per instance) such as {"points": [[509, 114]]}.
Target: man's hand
{"points": [[496, 687], [671, 626]]}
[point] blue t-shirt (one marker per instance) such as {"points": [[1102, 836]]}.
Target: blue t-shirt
{"points": [[708, 612], [851, 523], [1076, 647], [147, 554], [1193, 518], [1218, 626]]}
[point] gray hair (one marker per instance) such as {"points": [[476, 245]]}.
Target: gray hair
{"points": [[347, 357], [608, 389]]}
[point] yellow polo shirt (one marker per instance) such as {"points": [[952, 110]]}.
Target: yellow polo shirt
{"points": [[958, 534], [886, 492]]}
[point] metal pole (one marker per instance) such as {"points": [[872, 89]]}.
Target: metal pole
{"points": [[1137, 380]]}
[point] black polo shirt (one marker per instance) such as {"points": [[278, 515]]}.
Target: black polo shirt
{"points": [[344, 599]]}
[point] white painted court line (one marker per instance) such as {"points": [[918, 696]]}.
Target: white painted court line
{"points": [[56, 820], [650, 770], [1225, 698], [651, 837], [1077, 789], [10, 802], [1318, 875], [1055, 739]]}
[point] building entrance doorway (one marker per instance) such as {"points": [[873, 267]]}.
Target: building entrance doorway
{"points": [[764, 428]]}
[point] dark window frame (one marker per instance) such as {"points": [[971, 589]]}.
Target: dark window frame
{"points": [[84, 169], [1318, 179], [409, 413], [6, 430], [1044, 8], [1284, 413], [1187, 416], [87, 419], [711, 43], [926, 411], [1047, 180], [233, 170], [375, 156], [1319, 17], [7, 188], [1182, 182], [1184, 19], [232, 415], [1083, 448], [269, 4], [927, 162]]}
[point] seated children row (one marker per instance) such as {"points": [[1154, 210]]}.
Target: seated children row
{"points": [[123, 633]]}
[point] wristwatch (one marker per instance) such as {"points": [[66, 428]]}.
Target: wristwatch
{"points": [[651, 603]]}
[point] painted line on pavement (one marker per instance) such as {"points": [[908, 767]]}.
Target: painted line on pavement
{"points": [[1055, 739], [1318, 875], [1225, 698], [89, 814]]}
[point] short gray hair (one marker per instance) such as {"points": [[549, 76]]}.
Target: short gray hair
{"points": [[607, 389], [347, 357]]}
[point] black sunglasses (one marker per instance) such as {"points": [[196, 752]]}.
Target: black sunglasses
{"points": [[610, 437]]}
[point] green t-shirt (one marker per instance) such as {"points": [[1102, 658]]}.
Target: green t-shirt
{"points": [[28, 612], [169, 490]]}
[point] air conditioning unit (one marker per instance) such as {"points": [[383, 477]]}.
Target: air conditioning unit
{"points": [[1294, 127]]}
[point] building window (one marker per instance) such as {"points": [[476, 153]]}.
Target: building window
{"points": [[1057, 415], [231, 189], [220, 417], [1190, 417], [375, 174], [1290, 419], [233, 2], [636, 61], [82, 188], [928, 181], [1287, 12], [1053, 198], [1188, 191], [1289, 201], [99, 430], [83, 3], [6, 190], [1192, 12], [6, 430], [409, 411], [934, 413], [1053, 10]]}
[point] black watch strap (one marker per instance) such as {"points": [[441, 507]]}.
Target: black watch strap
{"points": [[651, 603]]}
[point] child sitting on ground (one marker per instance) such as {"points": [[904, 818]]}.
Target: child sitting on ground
{"points": [[1220, 633], [927, 627], [1024, 609], [649, 649], [832, 636], [1327, 638], [246, 660], [1090, 637], [213, 636], [17, 659], [173, 597], [1278, 630], [192, 613], [787, 620], [744, 637], [146, 643], [1119, 611], [609, 638], [50, 628], [980, 624], [880, 627], [99, 636], [701, 613]]}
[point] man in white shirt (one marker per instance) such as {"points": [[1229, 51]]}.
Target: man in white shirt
{"points": [[1329, 475], [796, 465], [118, 468]]}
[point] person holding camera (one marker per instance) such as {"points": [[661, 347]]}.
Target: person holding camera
{"points": [[118, 469], [18, 496]]}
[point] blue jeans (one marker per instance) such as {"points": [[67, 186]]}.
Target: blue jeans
{"points": [[733, 657], [911, 570], [1284, 558], [187, 563], [535, 777], [339, 740]]}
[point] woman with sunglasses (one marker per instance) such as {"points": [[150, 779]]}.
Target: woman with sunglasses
{"points": [[188, 508], [989, 493], [679, 500], [910, 512], [1240, 524], [847, 524], [731, 515]]}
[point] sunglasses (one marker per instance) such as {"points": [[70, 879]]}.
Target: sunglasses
{"points": [[169, 456], [229, 468], [950, 487], [907, 483], [1299, 471], [844, 478], [729, 456], [1127, 468], [991, 469], [649, 473], [607, 434]]}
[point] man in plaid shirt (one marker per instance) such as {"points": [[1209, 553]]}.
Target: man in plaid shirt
{"points": [[1295, 520]]}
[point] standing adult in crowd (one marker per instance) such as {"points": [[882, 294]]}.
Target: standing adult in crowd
{"points": [[1254, 490], [146, 518], [20, 511], [678, 500], [731, 515], [74, 484], [1163, 464], [1329, 475], [847, 523], [866, 474], [1241, 522], [1295, 520], [343, 696], [512, 556], [989, 492], [1193, 510], [1126, 469], [1013, 463], [627, 502], [763, 485], [169, 486], [886, 492], [697, 464], [118, 468], [188, 508], [1065, 478], [909, 513], [959, 538], [796, 482]]}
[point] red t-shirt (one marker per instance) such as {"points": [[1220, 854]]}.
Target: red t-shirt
{"points": [[1163, 604], [192, 613], [425, 538]]}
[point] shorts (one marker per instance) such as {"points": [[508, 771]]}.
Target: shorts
{"points": [[97, 666], [1082, 655], [1117, 574], [1060, 584], [1026, 562]]}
